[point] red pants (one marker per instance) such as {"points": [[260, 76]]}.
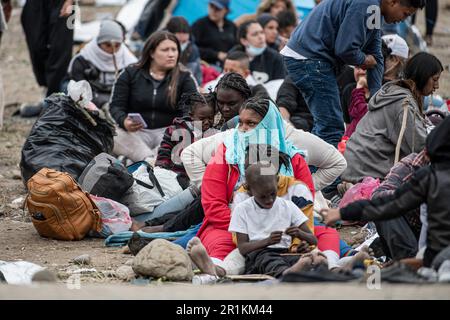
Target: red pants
{"points": [[219, 243]]}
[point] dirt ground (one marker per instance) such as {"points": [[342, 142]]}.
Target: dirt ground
{"points": [[18, 238]]}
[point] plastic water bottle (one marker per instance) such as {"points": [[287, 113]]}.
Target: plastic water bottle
{"points": [[204, 279]]}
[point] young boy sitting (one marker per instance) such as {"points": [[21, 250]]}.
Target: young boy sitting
{"points": [[265, 225], [335, 33], [185, 131]]}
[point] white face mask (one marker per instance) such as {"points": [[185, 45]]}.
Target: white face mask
{"points": [[184, 46], [254, 51]]}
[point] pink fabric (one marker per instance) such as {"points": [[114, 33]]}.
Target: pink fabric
{"points": [[360, 191], [357, 109], [209, 74]]}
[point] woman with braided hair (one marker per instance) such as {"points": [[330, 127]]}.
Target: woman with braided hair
{"points": [[231, 92]]}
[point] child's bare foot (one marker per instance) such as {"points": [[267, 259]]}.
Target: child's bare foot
{"points": [[358, 258], [136, 225], [198, 254], [303, 264], [153, 229]]}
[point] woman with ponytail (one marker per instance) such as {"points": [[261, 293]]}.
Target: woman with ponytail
{"points": [[395, 124]]}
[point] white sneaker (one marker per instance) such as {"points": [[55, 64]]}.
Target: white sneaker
{"points": [[428, 273], [444, 271]]}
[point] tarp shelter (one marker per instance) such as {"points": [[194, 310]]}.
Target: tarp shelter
{"points": [[131, 12], [194, 9]]}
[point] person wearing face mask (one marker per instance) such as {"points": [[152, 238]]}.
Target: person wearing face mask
{"points": [[266, 64], [153, 88], [101, 61], [395, 124], [214, 34], [190, 54]]}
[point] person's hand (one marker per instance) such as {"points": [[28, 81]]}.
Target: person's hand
{"points": [[283, 42], [369, 63], [66, 9], [362, 83], [304, 247], [221, 56], [330, 216], [274, 238], [294, 232], [132, 126]]}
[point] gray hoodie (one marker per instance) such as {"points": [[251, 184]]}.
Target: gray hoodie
{"points": [[371, 148]]}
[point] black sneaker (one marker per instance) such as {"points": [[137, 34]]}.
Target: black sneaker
{"points": [[136, 243], [31, 110], [401, 273]]}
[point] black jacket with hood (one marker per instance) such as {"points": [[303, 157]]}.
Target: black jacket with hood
{"points": [[430, 185]]}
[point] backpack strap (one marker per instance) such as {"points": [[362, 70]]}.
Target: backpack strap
{"points": [[402, 131], [153, 179]]}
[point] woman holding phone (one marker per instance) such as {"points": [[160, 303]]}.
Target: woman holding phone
{"points": [[151, 88]]}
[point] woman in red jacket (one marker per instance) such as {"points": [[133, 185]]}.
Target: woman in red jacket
{"points": [[260, 123]]}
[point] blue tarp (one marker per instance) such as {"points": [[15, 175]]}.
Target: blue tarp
{"points": [[195, 9], [121, 239]]}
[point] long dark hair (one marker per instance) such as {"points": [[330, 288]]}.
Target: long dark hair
{"points": [[146, 59], [418, 70]]}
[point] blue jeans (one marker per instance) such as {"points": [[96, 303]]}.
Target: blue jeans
{"points": [[177, 203], [316, 81]]}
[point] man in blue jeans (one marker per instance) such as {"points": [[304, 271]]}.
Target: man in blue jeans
{"points": [[335, 33]]}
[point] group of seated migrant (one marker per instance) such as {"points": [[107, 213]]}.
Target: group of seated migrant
{"points": [[257, 161]]}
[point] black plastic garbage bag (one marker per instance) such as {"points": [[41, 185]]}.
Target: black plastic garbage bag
{"points": [[64, 139]]}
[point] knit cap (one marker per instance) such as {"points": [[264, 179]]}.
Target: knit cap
{"points": [[110, 31]]}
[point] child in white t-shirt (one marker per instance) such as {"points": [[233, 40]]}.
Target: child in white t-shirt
{"points": [[265, 224]]}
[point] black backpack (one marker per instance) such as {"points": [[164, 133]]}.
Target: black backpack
{"points": [[105, 176]]}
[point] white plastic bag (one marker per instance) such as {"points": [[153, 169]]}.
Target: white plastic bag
{"points": [[80, 92], [19, 272], [115, 216], [140, 199]]}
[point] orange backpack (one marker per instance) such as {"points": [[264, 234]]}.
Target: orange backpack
{"points": [[58, 207]]}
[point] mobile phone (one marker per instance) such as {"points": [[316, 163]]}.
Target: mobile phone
{"points": [[137, 118]]}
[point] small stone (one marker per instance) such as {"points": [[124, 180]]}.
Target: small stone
{"points": [[129, 262], [125, 273], [84, 259], [161, 258], [16, 175], [126, 250], [44, 276]]}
